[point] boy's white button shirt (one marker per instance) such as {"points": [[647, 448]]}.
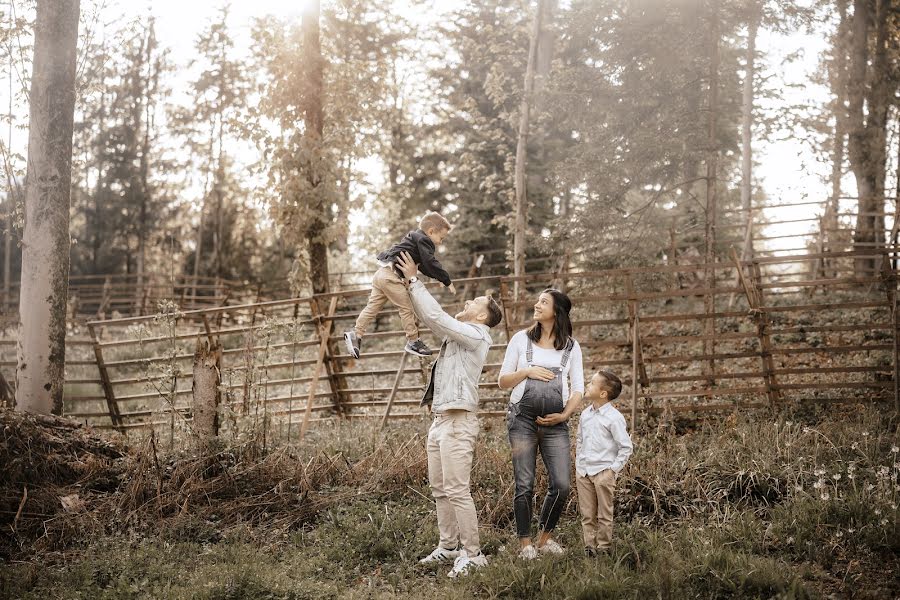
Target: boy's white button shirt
{"points": [[602, 442]]}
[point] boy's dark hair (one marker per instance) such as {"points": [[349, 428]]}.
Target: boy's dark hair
{"points": [[495, 313], [434, 220], [611, 383]]}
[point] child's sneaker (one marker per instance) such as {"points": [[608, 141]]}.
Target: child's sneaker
{"points": [[352, 341], [528, 553], [464, 563], [552, 547], [418, 348], [440, 554]]}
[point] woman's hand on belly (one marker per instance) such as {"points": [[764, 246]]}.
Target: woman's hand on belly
{"points": [[540, 373], [551, 419]]}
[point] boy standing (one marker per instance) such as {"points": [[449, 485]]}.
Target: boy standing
{"points": [[602, 449], [388, 283]]}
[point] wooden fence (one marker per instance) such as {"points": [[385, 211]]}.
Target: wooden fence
{"points": [[683, 337]]}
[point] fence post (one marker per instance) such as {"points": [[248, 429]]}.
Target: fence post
{"points": [[324, 331], [111, 403], [390, 402], [753, 291], [504, 294], [638, 368], [205, 390]]}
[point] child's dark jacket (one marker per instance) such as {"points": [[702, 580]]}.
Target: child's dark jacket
{"points": [[421, 248]]}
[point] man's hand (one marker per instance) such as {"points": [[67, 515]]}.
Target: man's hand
{"points": [[452, 289], [550, 420], [540, 373], [407, 265]]}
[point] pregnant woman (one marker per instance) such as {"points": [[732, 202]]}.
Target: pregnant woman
{"points": [[543, 368]]}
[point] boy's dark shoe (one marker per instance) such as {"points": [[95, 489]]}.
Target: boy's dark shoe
{"points": [[418, 348], [352, 341], [590, 552]]}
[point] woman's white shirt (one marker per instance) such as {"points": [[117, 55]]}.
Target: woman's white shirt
{"points": [[516, 359]]}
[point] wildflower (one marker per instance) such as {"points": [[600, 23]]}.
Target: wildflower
{"points": [[883, 472], [854, 446], [825, 496], [893, 506], [839, 534], [894, 449], [870, 487], [883, 521], [851, 476], [790, 540], [798, 488], [851, 530], [865, 434], [819, 472], [877, 511], [836, 476], [819, 485]]}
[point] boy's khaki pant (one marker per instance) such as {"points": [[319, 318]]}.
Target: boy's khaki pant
{"points": [[595, 502], [387, 285], [451, 448]]}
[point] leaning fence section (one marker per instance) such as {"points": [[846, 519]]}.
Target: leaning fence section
{"points": [[683, 337]]}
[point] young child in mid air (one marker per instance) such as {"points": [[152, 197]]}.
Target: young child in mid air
{"points": [[389, 284], [602, 449]]}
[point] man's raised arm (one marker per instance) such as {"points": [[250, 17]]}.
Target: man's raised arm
{"points": [[431, 313]]}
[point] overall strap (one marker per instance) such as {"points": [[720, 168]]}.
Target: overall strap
{"points": [[565, 357], [529, 350]]}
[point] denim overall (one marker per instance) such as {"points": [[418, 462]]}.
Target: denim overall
{"points": [[526, 437]]}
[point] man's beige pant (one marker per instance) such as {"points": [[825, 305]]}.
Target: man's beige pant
{"points": [[451, 447], [387, 285], [595, 502]]}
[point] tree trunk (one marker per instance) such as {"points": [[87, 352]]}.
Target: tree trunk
{"points": [[712, 165], [867, 122], [521, 155], [45, 245], [747, 137], [205, 390], [839, 83], [314, 126]]}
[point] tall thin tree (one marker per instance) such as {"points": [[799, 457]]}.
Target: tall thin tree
{"points": [[522, 150], [314, 121], [45, 256]]}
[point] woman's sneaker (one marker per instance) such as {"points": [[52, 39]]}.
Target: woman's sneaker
{"points": [[440, 555], [464, 563], [418, 348], [551, 547], [528, 553], [352, 341]]}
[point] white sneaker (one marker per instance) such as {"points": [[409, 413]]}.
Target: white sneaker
{"points": [[440, 555], [528, 553], [464, 562], [552, 547]]}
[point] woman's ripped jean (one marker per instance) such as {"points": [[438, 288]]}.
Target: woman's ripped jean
{"points": [[525, 438]]}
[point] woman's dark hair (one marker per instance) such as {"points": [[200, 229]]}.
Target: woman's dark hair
{"points": [[562, 326]]}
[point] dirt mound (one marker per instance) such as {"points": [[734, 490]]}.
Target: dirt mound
{"points": [[50, 467]]}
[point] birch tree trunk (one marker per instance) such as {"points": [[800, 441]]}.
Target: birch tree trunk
{"points": [[314, 121], [747, 136], [41, 351], [522, 155], [712, 166]]}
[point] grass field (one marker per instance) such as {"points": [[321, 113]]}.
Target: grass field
{"points": [[792, 505]]}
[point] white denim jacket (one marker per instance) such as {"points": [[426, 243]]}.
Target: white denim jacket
{"points": [[457, 371]]}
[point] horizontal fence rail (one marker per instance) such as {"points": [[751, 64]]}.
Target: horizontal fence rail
{"points": [[683, 337]]}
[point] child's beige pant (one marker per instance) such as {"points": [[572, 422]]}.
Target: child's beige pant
{"points": [[387, 285], [595, 502], [451, 448]]}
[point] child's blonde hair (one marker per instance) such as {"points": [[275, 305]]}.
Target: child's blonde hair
{"points": [[434, 220]]}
